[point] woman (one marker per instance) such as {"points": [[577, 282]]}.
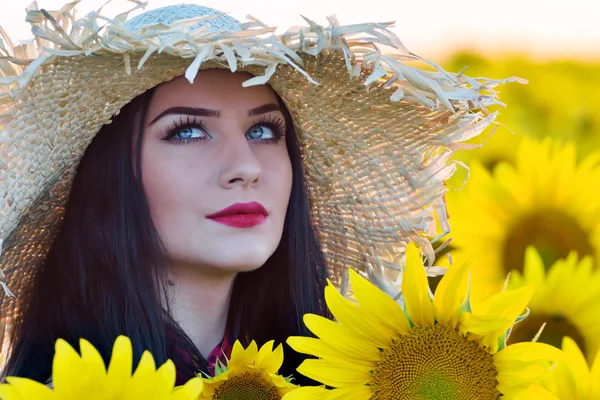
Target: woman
{"points": [[188, 222], [218, 188]]}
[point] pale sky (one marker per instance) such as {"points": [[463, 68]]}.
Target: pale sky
{"points": [[430, 28]]}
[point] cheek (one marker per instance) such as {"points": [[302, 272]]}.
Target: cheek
{"points": [[168, 186], [277, 174]]}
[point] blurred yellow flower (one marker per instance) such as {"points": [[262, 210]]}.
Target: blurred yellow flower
{"points": [[573, 379], [249, 374], [566, 299], [85, 376], [547, 200], [440, 348], [561, 100]]}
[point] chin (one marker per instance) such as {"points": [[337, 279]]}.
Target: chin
{"points": [[245, 255], [243, 263], [225, 256], [242, 267], [232, 261]]}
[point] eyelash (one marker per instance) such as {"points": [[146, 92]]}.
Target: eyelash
{"points": [[189, 122], [276, 124]]}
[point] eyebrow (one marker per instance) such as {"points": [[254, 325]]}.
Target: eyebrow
{"points": [[200, 112], [205, 112], [264, 109]]}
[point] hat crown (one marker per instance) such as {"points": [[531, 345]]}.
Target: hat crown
{"points": [[169, 14]]}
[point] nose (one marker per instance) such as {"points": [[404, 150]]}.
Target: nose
{"points": [[240, 166]]}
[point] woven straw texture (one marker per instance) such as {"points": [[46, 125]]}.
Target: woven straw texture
{"points": [[376, 131]]}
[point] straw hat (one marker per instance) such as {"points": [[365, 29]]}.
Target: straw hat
{"points": [[376, 131]]}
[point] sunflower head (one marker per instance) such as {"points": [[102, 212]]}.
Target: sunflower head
{"points": [[566, 299], [250, 374], [78, 376], [545, 200], [440, 347]]}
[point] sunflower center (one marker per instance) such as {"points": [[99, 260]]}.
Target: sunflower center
{"points": [[435, 363], [247, 386], [557, 327], [554, 234]]}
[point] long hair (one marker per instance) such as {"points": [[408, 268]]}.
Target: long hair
{"points": [[103, 274]]}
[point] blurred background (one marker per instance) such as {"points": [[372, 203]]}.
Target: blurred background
{"points": [[531, 205]]}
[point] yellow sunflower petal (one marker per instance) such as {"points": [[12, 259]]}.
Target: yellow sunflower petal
{"points": [[120, 367], [483, 325], [492, 317], [68, 370], [307, 393], [388, 312], [572, 375], [534, 360], [25, 389], [351, 315], [509, 304], [94, 364], [210, 384], [189, 391], [239, 357], [223, 376], [530, 392], [321, 349], [450, 295], [577, 363], [92, 358], [282, 384], [595, 378], [163, 382], [351, 393], [144, 373], [238, 350], [534, 271], [415, 289], [320, 393], [268, 359], [327, 373], [251, 352], [343, 338]]}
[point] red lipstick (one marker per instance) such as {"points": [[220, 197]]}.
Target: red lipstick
{"points": [[241, 215]]}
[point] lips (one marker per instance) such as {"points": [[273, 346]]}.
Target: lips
{"points": [[241, 215]]}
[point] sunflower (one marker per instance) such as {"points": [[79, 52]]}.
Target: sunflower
{"points": [[440, 348], [84, 376], [547, 200], [250, 374], [573, 379], [566, 299]]}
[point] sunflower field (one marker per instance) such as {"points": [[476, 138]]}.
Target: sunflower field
{"points": [[529, 212], [513, 316]]}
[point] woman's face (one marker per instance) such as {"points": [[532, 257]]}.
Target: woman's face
{"points": [[216, 171]]}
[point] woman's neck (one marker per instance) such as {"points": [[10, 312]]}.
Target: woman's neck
{"points": [[200, 304]]}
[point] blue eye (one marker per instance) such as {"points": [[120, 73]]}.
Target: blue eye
{"points": [[261, 132], [270, 129], [186, 131], [189, 133]]}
